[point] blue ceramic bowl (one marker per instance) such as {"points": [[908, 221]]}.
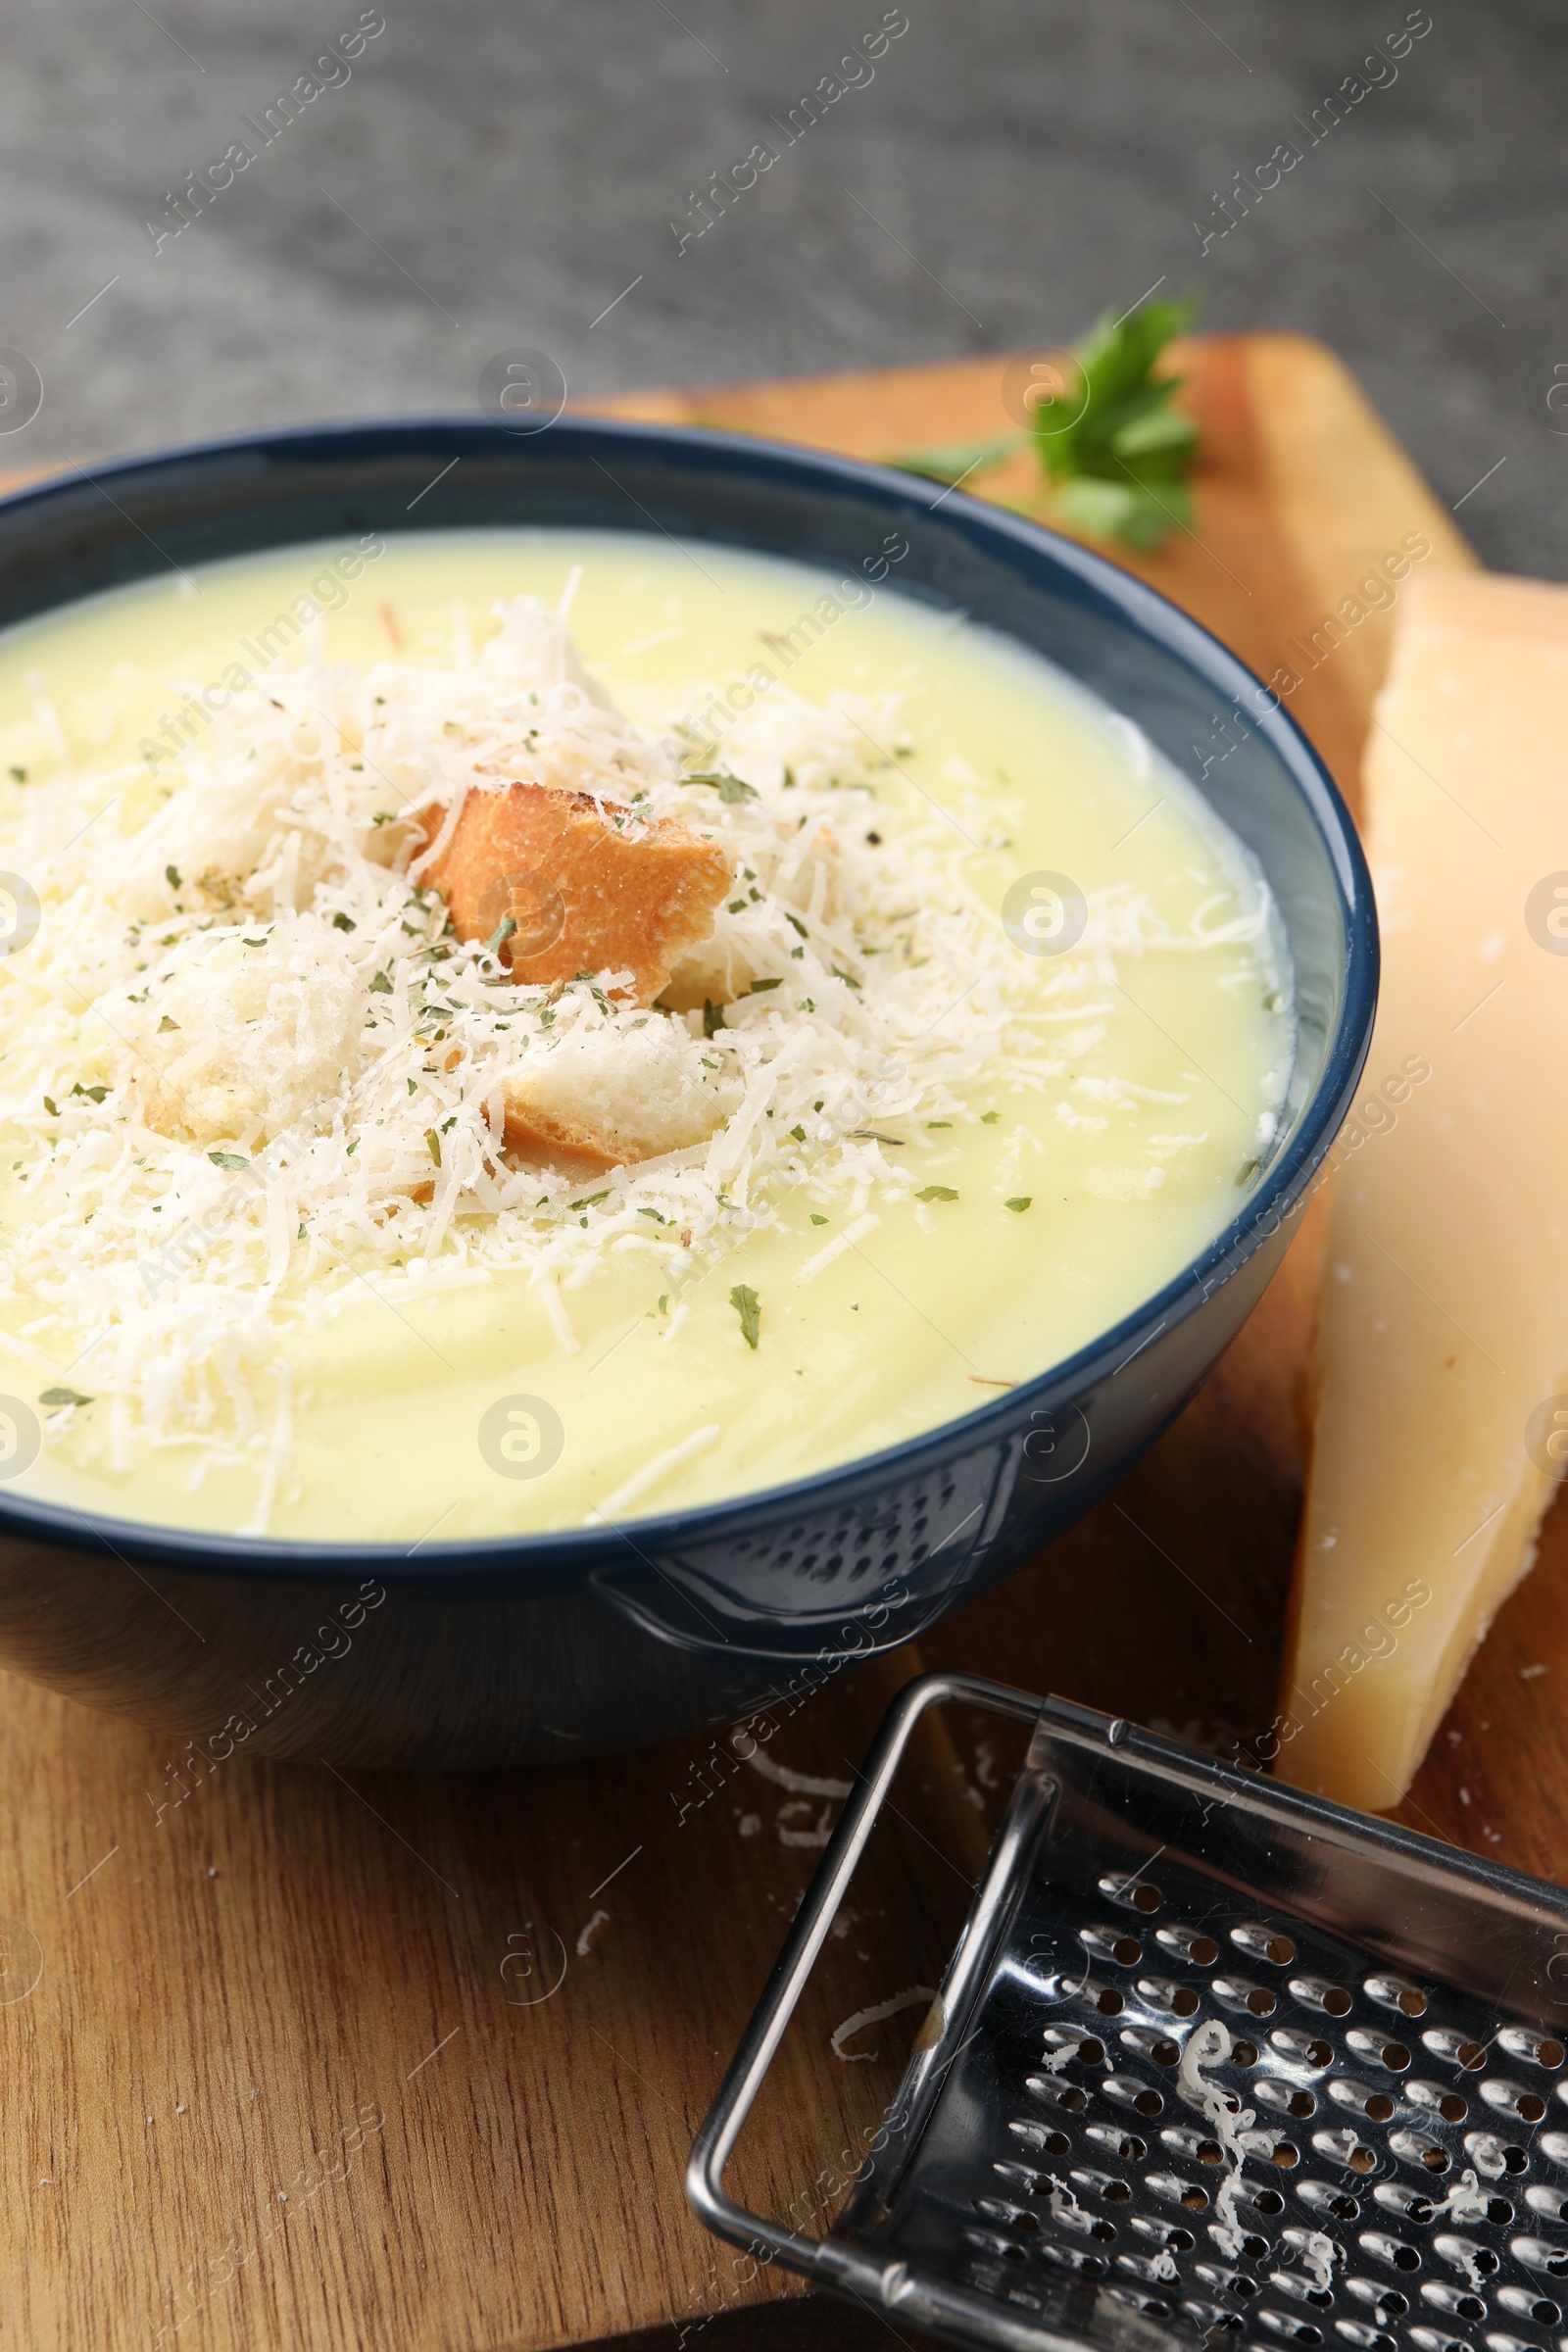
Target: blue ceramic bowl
{"points": [[502, 1651]]}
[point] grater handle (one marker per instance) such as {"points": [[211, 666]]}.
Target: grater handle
{"points": [[715, 2141]]}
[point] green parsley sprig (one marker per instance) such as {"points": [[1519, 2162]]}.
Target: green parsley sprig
{"points": [[1118, 467]]}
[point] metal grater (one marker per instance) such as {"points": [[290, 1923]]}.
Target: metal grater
{"points": [[1395, 2013]]}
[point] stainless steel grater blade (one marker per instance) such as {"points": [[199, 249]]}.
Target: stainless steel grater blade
{"points": [[1054, 2170]]}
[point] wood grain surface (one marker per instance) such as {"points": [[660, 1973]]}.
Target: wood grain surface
{"points": [[310, 2061]]}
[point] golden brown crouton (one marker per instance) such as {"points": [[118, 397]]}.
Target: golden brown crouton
{"points": [[585, 894], [612, 1096]]}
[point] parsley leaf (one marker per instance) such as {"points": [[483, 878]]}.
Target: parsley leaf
{"points": [[62, 1396], [729, 788], [230, 1160], [936, 1192], [744, 1299], [1120, 468], [1022, 1202], [1117, 467]]}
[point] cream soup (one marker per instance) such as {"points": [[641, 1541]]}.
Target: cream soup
{"points": [[991, 1037]]}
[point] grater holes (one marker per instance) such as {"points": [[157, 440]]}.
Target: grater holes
{"points": [[1213, 2316], [1431, 2339], [1397, 2252], [1100, 2184], [1554, 2145], [1299, 2332], [1243, 2053], [1235, 1993], [1161, 1993], [1520, 2042], [1526, 2304], [1150, 2043], [1068, 2096], [1112, 1943], [1322, 2197], [1537, 2254], [1386, 2301], [1287, 2097], [1094, 1995], [1376, 2105], [1462, 2254], [1169, 2235], [1395, 1993], [1510, 2344], [1513, 2099], [1126, 2146], [1135, 1893], [1152, 2306], [1347, 2148], [1035, 2135], [1083, 2049], [1300, 2289], [1018, 2178], [1264, 1944], [1128, 2091], [1187, 2142], [1416, 2147], [1319, 1992], [1202, 1951], [1177, 2192], [1305, 2048], [1445, 2042], [1549, 2201], [1449, 2104], [1369, 2339], [1391, 2054], [1230, 2283], [1411, 2206], [1492, 2157], [991, 2241], [998, 2210], [1068, 2258]]}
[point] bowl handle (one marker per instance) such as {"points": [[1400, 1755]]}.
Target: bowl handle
{"points": [[690, 1613]]}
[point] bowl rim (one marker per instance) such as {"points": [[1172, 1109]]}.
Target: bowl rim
{"points": [[571, 1554]]}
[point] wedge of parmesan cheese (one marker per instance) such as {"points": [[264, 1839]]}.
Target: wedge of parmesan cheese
{"points": [[1435, 1392]]}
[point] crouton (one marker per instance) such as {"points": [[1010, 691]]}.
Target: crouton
{"points": [[586, 894], [607, 1097]]}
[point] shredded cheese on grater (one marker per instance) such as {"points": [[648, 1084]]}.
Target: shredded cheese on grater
{"points": [[247, 1067]]}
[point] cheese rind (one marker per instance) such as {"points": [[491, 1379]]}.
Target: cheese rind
{"points": [[1443, 1329]]}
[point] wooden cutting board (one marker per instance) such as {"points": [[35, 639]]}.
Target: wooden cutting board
{"points": [[310, 2061]]}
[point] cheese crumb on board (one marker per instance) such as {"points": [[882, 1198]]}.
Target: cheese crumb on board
{"points": [[1441, 1352]]}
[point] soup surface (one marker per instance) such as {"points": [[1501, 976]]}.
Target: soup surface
{"points": [[990, 1035]]}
